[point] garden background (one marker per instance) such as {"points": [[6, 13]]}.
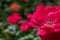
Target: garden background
{"points": [[13, 32]]}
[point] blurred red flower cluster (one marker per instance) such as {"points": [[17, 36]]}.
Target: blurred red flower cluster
{"points": [[45, 19]]}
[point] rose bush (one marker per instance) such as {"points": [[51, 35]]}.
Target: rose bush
{"points": [[29, 20]]}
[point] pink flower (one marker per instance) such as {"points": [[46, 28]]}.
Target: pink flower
{"points": [[44, 15], [25, 26], [48, 20], [14, 18]]}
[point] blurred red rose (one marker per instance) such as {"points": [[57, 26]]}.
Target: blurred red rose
{"points": [[47, 20], [14, 18], [44, 15], [25, 26]]}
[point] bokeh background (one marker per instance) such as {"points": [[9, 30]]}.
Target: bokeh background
{"points": [[12, 32]]}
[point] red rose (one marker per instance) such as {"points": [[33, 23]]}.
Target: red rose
{"points": [[14, 18], [25, 26], [44, 15], [47, 19]]}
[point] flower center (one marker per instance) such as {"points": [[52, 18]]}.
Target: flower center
{"points": [[49, 23]]}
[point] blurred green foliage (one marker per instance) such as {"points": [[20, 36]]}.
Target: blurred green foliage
{"points": [[12, 32]]}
